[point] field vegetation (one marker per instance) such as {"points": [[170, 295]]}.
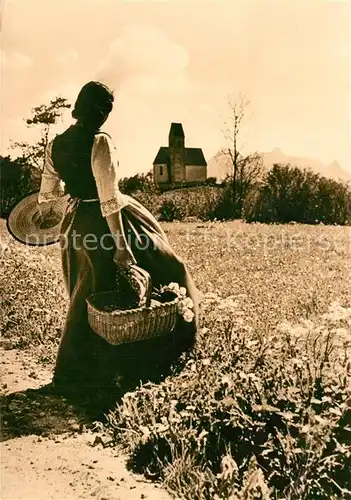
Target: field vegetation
{"points": [[260, 409]]}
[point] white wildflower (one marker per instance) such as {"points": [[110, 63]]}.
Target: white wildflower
{"points": [[181, 308], [188, 316], [226, 380], [188, 303], [174, 287]]}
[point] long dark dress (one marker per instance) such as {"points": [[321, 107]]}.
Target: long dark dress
{"points": [[85, 359]]}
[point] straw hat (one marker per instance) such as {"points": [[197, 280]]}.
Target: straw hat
{"points": [[37, 224]]}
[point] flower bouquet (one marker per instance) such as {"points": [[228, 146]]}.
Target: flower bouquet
{"points": [[185, 305]]}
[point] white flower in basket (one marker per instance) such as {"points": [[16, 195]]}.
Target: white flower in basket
{"points": [[150, 318], [185, 304]]}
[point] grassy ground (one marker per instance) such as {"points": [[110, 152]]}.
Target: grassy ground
{"points": [[260, 409]]}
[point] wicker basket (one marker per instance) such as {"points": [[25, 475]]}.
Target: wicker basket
{"points": [[130, 325]]}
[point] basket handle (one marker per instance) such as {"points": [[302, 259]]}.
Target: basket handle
{"points": [[148, 280]]}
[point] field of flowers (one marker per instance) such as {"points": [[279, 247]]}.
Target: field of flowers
{"points": [[261, 408]]}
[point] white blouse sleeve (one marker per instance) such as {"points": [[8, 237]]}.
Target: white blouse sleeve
{"points": [[51, 187], [104, 167]]}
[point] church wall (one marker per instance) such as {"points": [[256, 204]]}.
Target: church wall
{"points": [[160, 173], [195, 173]]}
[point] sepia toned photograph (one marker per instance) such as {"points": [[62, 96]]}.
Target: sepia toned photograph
{"points": [[175, 249]]}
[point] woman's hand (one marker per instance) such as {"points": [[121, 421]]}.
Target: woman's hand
{"points": [[124, 257]]}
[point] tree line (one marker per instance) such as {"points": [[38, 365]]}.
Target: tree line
{"points": [[283, 194]]}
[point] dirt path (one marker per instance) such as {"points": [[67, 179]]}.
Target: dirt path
{"points": [[46, 450]]}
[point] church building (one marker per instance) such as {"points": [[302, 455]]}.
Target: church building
{"points": [[177, 165]]}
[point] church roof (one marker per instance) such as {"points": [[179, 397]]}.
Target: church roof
{"points": [[162, 155], [193, 156]]}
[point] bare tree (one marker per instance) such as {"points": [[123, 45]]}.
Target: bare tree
{"points": [[245, 170]]}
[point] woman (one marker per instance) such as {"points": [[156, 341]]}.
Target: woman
{"points": [[83, 157]]}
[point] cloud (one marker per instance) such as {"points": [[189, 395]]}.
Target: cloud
{"points": [[14, 60], [68, 57], [69, 90], [144, 58]]}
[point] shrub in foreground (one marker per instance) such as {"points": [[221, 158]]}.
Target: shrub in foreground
{"points": [[139, 182], [291, 194], [252, 415], [17, 179], [170, 210]]}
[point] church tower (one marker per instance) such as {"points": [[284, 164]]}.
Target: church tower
{"points": [[177, 152]]}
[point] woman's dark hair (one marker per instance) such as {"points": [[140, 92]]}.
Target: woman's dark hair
{"points": [[93, 104]]}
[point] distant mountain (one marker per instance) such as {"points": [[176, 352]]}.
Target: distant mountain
{"points": [[220, 167], [336, 171]]}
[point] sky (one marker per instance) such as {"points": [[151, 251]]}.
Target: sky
{"points": [[180, 61]]}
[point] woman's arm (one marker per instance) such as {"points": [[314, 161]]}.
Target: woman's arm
{"points": [[123, 256], [51, 187], [104, 166]]}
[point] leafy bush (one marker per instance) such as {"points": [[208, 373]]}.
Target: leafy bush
{"points": [[197, 202], [170, 210], [224, 208], [138, 183], [203, 203], [333, 202], [17, 180], [291, 194], [151, 201]]}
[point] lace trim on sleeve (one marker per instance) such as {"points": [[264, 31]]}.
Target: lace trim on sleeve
{"points": [[113, 205]]}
